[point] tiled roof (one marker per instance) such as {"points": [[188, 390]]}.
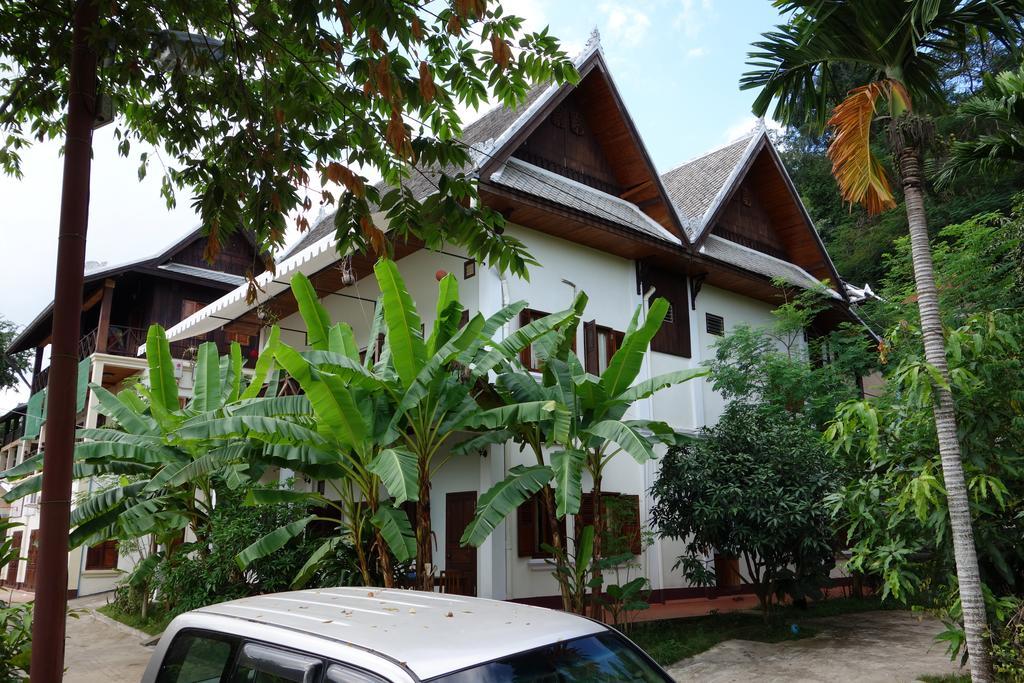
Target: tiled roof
{"points": [[205, 273], [524, 177], [695, 186], [757, 262], [478, 136]]}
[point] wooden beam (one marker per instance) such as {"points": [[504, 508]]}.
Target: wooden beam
{"points": [[636, 189], [93, 299], [103, 327]]}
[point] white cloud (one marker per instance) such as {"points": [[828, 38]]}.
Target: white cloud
{"points": [[696, 52], [694, 16], [625, 23], [746, 125], [532, 12]]}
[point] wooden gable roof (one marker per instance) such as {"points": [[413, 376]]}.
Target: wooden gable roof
{"points": [[608, 153], [742, 193]]}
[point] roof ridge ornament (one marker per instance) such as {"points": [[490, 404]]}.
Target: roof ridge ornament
{"points": [[593, 44]]}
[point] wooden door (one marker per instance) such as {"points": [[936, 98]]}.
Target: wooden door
{"points": [[12, 568], [30, 567], [459, 563]]}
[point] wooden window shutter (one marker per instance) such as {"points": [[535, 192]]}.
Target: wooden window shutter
{"points": [[590, 358], [674, 336], [526, 525]]}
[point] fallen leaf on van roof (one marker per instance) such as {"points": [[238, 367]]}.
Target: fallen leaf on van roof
{"points": [[369, 594], [449, 615], [412, 610], [390, 609]]}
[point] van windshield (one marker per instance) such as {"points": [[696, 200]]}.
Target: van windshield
{"points": [[601, 658]]}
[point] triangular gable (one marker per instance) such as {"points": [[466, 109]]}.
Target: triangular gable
{"points": [[758, 206], [606, 150]]}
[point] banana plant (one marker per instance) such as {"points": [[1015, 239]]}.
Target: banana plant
{"points": [[574, 422], [146, 480], [344, 439], [435, 386]]}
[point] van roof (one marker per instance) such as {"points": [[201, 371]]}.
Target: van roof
{"points": [[430, 633]]}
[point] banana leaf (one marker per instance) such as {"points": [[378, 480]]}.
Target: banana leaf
{"points": [[502, 498]]}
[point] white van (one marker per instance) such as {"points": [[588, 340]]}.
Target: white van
{"points": [[367, 635]]}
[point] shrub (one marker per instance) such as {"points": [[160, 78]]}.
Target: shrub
{"points": [[753, 487], [197, 574]]}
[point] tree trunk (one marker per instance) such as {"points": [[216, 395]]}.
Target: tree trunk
{"points": [[551, 513], [424, 579], [596, 610], [975, 622], [384, 561]]}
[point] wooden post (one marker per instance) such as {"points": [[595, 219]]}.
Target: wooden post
{"points": [[103, 328], [48, 622], [37, 368]]}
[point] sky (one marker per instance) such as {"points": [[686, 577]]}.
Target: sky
{"points": [[676, 63]]}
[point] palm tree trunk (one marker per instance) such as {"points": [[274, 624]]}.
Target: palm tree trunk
{"points": [[975, 622]]}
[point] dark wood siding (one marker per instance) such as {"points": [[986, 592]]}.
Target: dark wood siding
{"points": [[565, 143], [746, 221], [236, 256]]}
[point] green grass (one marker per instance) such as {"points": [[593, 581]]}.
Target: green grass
{"points": [[946, 678], [671, 640], [153, 625]]}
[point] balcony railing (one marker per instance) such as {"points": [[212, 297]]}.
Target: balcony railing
{"points": [[125, 341]]}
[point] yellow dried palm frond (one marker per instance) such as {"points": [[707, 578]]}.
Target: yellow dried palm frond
{"points": [[860, 174]]}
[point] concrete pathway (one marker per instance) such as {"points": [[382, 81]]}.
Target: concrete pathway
{"points": [[101, 650], [882, 646]]}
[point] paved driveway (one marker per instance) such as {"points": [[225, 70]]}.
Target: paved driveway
{"points": [[871, 646], [100, 651]]}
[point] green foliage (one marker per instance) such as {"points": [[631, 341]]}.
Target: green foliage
{"points": [[753, 487], [772, 365], [894, 513], [244, 107], [198, 574], [12, 366], [163, 482], [15, 618], [977, 269], [997, 117]]}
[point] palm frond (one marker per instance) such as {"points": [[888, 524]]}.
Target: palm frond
{"points": [[861, 176]]}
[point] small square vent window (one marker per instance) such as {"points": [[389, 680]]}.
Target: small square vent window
{"points": [[670, 315], [716, 324]]}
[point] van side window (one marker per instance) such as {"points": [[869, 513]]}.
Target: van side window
{"points": [[344, 674], [263, 664], [196, 658]]}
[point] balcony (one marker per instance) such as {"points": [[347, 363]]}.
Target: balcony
{"points": [[12, 435], [125, 341]]}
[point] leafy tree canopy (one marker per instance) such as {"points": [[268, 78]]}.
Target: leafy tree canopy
{"points": [[12, 367], [247, 101], [772, 365], [894, 513], [752, 486]]}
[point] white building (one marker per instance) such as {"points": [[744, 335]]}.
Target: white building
{"points": [[575, 183]]}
